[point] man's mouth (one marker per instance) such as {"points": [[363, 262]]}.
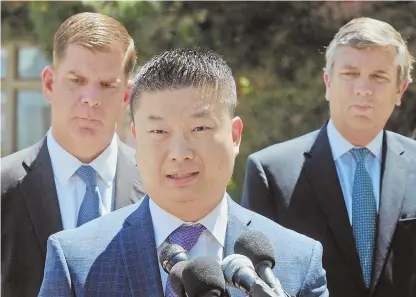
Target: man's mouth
{"points": [[181, 175]]}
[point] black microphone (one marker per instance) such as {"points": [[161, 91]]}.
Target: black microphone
{"points": [[176, 278], [257, 247], [239, 272], [172, 254], [203, 277]]}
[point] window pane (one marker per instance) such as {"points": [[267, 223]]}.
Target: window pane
{"points": [[33, 118], [3, 123], [31, 62], [3, 62]]}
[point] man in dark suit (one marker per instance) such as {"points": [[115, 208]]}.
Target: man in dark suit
{"points": [[186, 138], [80, 170], [351, 185]]}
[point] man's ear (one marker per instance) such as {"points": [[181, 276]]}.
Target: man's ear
{"points": [[327, 80], [237, 130], [127, 93], [400, 91], [47, 83]]}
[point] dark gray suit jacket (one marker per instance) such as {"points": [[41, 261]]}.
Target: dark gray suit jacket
{"points": [[295, 183], [30, 213]]}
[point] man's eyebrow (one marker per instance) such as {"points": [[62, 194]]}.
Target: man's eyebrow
{"points": [[349, 67], [154, 118], [202, 113], [73, 72], [381, 71], [109, 80]]}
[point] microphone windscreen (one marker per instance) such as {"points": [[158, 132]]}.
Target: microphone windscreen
{"points": [[176, 278], [256, 246], [168, 253], [232, 263], [202, 275]]}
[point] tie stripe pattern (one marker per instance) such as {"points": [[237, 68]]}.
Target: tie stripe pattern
{"points": [[364, 214], [186, 236], [91, 207]]}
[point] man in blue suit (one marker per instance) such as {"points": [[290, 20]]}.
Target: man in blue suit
{"points": [[186, 137]]}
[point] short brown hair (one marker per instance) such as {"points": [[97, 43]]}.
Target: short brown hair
{"points": [[364, 32], [94, 31]]}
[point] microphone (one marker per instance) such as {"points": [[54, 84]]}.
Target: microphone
{"points": [[257, 247], [203, 277], [239, 272], [176, 278], [258, 290], [172, 254]]}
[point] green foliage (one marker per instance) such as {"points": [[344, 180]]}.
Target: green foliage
{"points": [[275, 49]]}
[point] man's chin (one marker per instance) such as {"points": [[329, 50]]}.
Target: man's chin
{"points": [[361, 122], [86, 134]]}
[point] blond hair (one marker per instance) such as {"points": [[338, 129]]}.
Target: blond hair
{"points": [[364, 32], [94, 31]]}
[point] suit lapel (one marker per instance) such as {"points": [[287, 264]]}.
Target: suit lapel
{"points": [[238, 221], [393, 186], [138, 248], [39, 193], [128, 190], [320, 168]]}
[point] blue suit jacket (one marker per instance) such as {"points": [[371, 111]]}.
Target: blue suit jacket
{"points": [[116, 256]]}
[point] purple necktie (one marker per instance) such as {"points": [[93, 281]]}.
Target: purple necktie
{"points": [[186, 236]]}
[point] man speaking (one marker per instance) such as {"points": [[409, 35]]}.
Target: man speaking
{"points": [[186, 138]]}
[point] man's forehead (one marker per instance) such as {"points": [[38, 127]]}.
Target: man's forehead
{"points": [[371, 51], [382, 58]]}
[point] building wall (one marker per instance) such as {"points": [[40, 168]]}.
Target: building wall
{"points": [[25, 114]]}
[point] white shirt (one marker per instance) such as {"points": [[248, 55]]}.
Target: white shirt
{"points": [[209, 244], [345, 164], [70, 187]]}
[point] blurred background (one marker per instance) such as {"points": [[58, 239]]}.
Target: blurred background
{"points": [[276, 50]]}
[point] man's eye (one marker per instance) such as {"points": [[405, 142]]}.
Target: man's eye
{"points": [[106, 85], [157, 131], [201, 128], [380, 78], [350, 74]]}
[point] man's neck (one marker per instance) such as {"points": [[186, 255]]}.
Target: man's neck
{"points": [[190, 211], [84, 153], [359, 138]]}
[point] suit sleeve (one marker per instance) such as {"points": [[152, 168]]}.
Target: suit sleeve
{"points": [[256, 193], [315, 284], [56, 279]]}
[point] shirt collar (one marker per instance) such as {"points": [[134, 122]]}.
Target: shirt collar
{"points": [[165, 223], [64, 164], [340, 146]]}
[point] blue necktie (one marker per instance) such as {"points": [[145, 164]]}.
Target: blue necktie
{"points": [[186, 236], [363, 214], [91, 207]]}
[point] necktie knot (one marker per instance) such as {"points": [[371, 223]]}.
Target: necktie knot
{"points": [[186, 235], [88, 175], [359, 154]]}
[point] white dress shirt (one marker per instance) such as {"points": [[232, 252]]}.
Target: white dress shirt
{"points": [[209, 244], [345, 164], [70, 187]]}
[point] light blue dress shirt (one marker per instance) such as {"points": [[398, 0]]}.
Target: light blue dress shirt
{"points": [[345, 164]]}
